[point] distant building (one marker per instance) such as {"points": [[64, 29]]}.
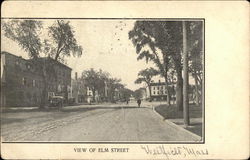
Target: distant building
{"points": [[159, 90], [22, 84], [90, 96], [144, 93], [78, 90]]}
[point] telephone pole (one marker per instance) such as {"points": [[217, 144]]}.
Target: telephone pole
{"points": [[185, 76]]}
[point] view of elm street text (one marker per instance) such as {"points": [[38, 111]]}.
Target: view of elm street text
{"points": [[102, 80]]}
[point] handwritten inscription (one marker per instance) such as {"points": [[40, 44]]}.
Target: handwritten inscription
{"points": [[174, 151]]}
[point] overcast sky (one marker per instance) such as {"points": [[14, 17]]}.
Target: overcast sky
{"points": [[106, 46]]}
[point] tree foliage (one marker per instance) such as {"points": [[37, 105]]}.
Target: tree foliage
{"points": [[161, 42], [62, 41], [146, 75], [26, 33], [101, 80]]}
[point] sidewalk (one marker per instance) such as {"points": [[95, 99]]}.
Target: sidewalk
{"points": [[172, 114]]}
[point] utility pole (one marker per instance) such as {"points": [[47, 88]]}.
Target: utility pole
{"points": [[185, 76]]}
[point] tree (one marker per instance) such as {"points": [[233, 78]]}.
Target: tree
{"points": [[113, 84], [26, 34], [160, 42], [104, 76], [126, 93], [138, 94], [61, 43], [146, 76], [195, 39], [92, 80]]}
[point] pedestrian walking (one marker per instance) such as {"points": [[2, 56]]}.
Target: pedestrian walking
{"points": [[127, 101], [139, 102]]}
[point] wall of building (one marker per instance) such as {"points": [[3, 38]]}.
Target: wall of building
{"points": [[22, 84]]}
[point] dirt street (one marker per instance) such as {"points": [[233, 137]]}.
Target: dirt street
{"points": [[117, 122]]}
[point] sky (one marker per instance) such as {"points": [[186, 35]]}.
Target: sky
{"points": [[105, 46]]}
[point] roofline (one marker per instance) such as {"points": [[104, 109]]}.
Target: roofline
{"points": [[56, 62], [28, 60], [4, 52]]}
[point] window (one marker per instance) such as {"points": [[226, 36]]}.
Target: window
{"points": [[157, 92], [24, 81], [158, 87], [154, 92], [34, 83], [17, 62]]}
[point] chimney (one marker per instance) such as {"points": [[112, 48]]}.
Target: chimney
{"points": [[75, 75]]}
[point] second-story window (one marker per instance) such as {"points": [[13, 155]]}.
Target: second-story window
{"points": [[17, 62], [24, 81], [34, 83]]}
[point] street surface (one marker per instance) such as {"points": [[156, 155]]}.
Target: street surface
{"points": [[106, 122]]}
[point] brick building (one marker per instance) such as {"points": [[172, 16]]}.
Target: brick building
{"points": [[22, 84]]}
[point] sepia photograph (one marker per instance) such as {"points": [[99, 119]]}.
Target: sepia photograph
{"points": [[124, 79], [102, 80]]}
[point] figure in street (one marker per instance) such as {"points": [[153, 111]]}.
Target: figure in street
{"points": [[139, 102], [127, 101]]}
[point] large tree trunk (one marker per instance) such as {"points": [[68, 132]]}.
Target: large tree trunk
{"points": [[179, 89], [167, 89], [44, 96], [150, 94], [196, 91], [168, 97], [93, 90]]}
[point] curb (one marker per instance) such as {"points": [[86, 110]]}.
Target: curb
{"points": [[178, 127]]}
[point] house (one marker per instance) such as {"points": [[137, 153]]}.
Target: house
{"points": [[158, 91], [22, 83], [78, 90]]}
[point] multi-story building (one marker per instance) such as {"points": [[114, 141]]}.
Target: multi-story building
{"points": [[22, 83], [159, 90], [78, 90]]}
